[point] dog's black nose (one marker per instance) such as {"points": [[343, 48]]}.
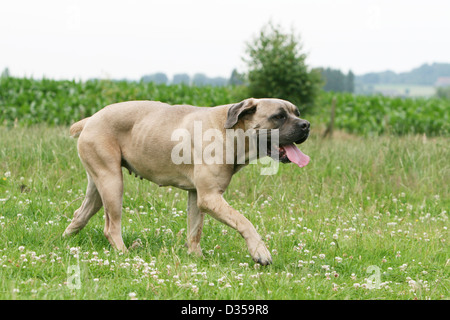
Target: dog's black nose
{"points": [[304, 125]]}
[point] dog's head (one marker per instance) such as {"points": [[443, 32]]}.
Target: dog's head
{"points": [[273, 114]]}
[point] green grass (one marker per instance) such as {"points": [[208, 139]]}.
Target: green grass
{"points": [[360, 202]]}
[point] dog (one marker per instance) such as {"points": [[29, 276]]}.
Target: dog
{"points": [[138, 135]]}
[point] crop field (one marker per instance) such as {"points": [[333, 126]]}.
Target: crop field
{"points": [[27, 101], [366, 219], [377, 114]]}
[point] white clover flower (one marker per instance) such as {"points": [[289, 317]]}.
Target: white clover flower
{"points": [[74, 250], [391, 224]]}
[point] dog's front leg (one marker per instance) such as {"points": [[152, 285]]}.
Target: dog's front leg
{"points": [[195, 224], [212, 202]]}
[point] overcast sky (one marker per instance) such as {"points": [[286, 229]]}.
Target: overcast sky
{"points": [[127, 39]]}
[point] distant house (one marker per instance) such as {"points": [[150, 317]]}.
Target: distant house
{"points": [[442, 82]]}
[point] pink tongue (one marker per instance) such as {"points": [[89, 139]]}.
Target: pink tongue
{"points": [[296, 156]]}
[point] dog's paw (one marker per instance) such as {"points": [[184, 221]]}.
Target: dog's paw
{"points": [[262, 255], [69, 232], [196, 251]]}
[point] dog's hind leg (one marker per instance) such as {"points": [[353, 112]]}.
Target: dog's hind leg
{"points": [[110, 187], [101, 157], [90, 206]]}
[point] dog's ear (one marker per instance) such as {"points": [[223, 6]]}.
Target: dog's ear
{"points": [[237, 110]]}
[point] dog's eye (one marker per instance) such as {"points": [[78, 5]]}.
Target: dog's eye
{"points": [[279, 117]]}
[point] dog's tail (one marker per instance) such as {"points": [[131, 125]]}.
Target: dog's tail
{"points": [[77, 127]]}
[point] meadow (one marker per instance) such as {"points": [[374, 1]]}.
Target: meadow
{"points": [[366, 219], [362, 203]]}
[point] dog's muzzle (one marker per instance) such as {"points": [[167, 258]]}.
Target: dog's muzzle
{"points": [[287, 152]]}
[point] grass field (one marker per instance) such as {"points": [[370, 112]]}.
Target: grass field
{"points": [[364, 208]]}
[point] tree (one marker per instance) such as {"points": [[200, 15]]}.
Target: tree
{"points": [[277, 68], [337, 81], [334, 80], [5, 73], [181, 78], [218, 81], [200, 79], [350, 82], [158, 78], [236, 79]]}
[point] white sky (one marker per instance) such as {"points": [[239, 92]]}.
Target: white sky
{"points": [[127, 39]]}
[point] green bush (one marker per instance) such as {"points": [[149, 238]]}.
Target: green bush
{"points": [[277, 68]]}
